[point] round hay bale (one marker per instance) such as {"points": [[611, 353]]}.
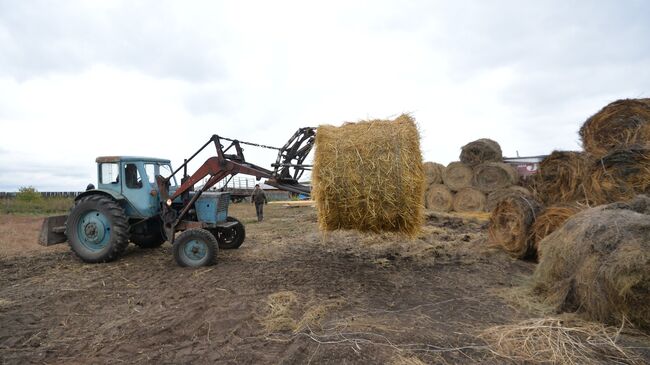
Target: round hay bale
{"points": [[598, 263], [498, 195], [479, 151], [620, 175], [510, 223], [433, 172], [469, 200], [550, 219], [439, 198], [491, 176], [457, 176], [619, 124], [369, 176], [561, 176]]}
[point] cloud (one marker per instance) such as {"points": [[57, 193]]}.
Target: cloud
{"points": [[80, 79], [70, 37]]}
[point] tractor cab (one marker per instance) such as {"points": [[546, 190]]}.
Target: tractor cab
{"points": [[134, 179]]}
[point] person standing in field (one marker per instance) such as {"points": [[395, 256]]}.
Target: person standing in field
{"points": [[259, 199]]}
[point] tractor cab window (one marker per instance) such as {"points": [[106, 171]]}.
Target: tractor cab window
{"points": [[132, 176], [166, 171], [109, 173], [150, 171]]}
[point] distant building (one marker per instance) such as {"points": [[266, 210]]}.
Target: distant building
{"points": [[526, 166]]}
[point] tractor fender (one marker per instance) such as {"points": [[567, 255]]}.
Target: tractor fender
{"points": [[110, 193]]}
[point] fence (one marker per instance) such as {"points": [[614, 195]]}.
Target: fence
{"points": [[45, 194]]}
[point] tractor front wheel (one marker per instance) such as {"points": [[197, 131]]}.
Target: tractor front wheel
{"points": [[97, 229], [195, 247]]}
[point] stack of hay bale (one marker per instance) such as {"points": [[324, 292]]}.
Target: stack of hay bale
{"points": [[369, 176], [476, 183], [615, 166]]}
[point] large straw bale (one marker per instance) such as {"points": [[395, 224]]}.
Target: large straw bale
{"points": [[598, 263], [510, 223], [469, 200], [561, 177], [439, 198], [550, 219], [479, 151], [433, 172], [491, 176], [620, 175], [622, 123], [369, 176], [457, 176], [498, 195]]}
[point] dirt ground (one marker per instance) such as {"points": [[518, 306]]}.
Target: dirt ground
{"points": [[290, 294]]}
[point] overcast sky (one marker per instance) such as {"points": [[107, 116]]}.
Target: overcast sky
{"points": [[80, 79]]}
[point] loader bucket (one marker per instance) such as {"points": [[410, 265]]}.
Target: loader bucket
{"points": [[53, 230]]}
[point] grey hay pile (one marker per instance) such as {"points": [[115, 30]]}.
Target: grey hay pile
{"points": [[369, 176], [458, 176], [479, 151], [598, 264], [491, 176], [433, 172], [469, 200], [439, 198]]}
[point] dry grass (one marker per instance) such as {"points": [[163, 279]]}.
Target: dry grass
{"points": [[458, 176], [283, 312], [480, 151], [5, 303], [279, 317], [491, 176], [469, 200], [510, 223], [622, 123], [558, 340], [407, 360], [369, 176], [316, 313], [439, 198]]}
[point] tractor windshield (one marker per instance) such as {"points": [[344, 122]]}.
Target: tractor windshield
{"points": [[166, 171]]}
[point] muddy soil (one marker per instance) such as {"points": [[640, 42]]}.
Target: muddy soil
{"points": [[290, 294]]}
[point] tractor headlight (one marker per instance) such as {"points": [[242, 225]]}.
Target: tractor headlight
{"points": [[169, 202]]}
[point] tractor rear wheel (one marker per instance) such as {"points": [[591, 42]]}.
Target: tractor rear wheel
{"points": [[195, 247], [97, 229], [230, 238]]}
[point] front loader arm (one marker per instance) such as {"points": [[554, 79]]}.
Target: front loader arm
{"points": [[219, 167], [218, 170]]}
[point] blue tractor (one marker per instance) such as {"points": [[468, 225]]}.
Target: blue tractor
{"points": [[139, 200]]}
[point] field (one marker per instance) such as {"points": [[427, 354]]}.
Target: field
{"points": [[290, 294]]}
